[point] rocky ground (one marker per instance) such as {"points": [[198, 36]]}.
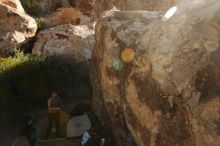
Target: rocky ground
{"points": [[73, 142], [11, 133]]}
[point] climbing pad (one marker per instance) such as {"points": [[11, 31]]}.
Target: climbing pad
{"points": [[78, 125]]}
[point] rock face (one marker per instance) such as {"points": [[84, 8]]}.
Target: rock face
{"points": [[66, 16], [16, 4], [95, 7], [132, 5], [76, 42], [157, 77], [15, 26]]}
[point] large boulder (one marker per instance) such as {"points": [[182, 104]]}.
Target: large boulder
{"points": [[158, 76], [76, 42], [132, 5], [16, 4], [95, 7], [16, 27], [66, 16]]}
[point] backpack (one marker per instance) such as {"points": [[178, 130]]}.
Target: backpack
{"points": [[85, 138], [88, 140]]}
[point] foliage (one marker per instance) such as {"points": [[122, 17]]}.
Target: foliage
{"points": [[30, 6], [29, 3], [26, 82], [72, 3], [40, 22]]}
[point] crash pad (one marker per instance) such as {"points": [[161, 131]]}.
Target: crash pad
{"points": [[77, 125]]}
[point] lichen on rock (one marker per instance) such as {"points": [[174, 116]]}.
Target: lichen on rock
{"points": [[165, 92], [75, 42]]}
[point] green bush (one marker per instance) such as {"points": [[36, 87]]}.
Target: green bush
{"points": [[30, 6], [26, 82], [40, 22]]}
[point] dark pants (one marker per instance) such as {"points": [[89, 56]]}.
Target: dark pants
{"points": [[54, 118], [32, 143]]}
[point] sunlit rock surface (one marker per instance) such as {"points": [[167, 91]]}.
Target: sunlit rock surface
{"points": [[76, 42], [95, 7], [16, 4], [66, 16], [132, 5], [15, 26], [158, 76]]}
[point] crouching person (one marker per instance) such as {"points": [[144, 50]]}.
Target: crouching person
{"points": [[29, 131], [54, 109]]}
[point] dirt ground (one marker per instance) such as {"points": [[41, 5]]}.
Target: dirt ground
{"points": [[11, 131], [8, 133], [72, 142]]}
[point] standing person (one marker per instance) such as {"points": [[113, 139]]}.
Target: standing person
{"points": [[29, 131], [54, 106]]}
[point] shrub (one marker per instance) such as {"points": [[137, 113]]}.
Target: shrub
{"points": [[30, 6], [40, 22]]}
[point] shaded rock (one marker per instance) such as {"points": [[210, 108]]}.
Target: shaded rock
{"points": [[15, 27], [158, 76], [207, 126], [66, 16], [110, 76], [75, 42]]}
